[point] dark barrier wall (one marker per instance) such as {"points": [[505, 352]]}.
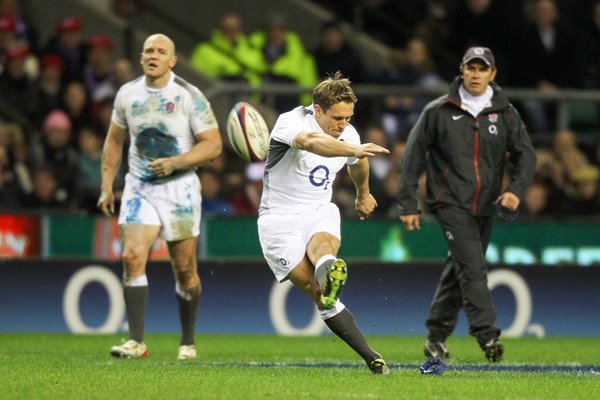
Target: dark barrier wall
{"points": [[240, 297]]}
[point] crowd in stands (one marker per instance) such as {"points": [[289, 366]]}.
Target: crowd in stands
{"points": [[65, 87]]}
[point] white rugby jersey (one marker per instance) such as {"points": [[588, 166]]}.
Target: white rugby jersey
{"points": [[161, 122], [294, 178]]}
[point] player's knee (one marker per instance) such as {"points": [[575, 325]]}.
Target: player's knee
{"points": [[335, 310], [133, 257], [187, 277]]}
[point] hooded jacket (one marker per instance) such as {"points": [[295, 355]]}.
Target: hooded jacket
{"points": [[465, 156]]}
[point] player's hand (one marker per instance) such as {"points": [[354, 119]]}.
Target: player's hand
{"points": [[369, 150], [106, 203], [508, 200], [163, 167], [411, 222], [365, 205]]}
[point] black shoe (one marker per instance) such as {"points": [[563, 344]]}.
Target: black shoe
{"points": [[435, 350], [494, 350], [379, 367]]}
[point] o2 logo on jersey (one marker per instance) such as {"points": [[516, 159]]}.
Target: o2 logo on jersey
{"points": [[319, 176]]}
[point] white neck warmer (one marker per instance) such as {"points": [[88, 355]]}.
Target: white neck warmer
{"points": [[475, 104]]}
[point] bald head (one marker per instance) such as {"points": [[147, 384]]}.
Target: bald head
{"points": [[163, 39]]}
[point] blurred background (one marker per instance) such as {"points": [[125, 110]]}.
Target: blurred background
{"points": [[63, 61]]}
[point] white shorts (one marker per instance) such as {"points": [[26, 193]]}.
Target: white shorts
{"points": [[283, 237], [174, 204]]}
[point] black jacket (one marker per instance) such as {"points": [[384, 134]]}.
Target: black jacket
{"points": [[465, 157]]}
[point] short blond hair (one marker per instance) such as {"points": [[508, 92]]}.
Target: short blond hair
{"points": [[332, 90]]}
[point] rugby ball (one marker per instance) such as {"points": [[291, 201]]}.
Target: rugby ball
{"points": [[247, 132]]}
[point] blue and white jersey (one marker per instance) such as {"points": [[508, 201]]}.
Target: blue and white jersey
{"points": [[161, 122], [293, 178]]}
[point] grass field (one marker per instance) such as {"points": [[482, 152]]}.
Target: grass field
{"points": [[62, 366]]}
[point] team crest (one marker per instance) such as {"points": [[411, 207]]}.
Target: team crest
{"points": [[170, 107], [493, 118]]}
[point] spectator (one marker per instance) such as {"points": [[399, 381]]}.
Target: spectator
{"points": [[49, 86], [567, 158], [89, 177], [77, 106], [393, 21], [284, 59], [335, 54], [583, 197], [411, 67], [46, 192], [546, 57], [213, 202], [592, 46], [24, 31], [68, 44], [7, 32], [387, 199], [54, 150], [122, 73], [536, 201], [228, 54], [10, 191], [478, 22], [17, 88], [127, 8], [98, 67]]}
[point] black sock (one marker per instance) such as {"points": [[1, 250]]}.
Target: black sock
{"points": [[344, 325], [136, 298], [188, 310]]}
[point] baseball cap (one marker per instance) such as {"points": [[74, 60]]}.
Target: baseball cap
{"points": [[7, 24], [100, 41], [482, 53], [69, 24], [52, 60], [16, 52]]}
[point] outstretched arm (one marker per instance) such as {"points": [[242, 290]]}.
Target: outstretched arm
{"points": [[324, 145]]}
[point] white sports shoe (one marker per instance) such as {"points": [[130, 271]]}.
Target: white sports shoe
{"points": [[187, 352], [130, 349]]}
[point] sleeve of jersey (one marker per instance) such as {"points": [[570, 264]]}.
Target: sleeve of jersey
{"points": [[118, 114], [286, 128], [202, 117]]}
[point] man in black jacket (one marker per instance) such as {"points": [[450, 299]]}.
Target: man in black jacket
{"points": [[462, 139]]}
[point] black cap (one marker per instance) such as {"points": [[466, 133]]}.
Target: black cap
{"points": [[482, 53]]}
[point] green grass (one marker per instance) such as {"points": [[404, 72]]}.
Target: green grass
{"points": [[62, 366]]}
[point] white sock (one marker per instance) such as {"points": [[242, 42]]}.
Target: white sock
{"points": [[335, 310], [132, 281], [184, 294]]}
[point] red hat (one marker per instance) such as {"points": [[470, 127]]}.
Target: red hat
{"points": [[52, 60], [7, 24], [69, 24], [16, 52], [100, 41]]}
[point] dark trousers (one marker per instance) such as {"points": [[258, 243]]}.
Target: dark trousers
{"points": [[463, 283]]}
